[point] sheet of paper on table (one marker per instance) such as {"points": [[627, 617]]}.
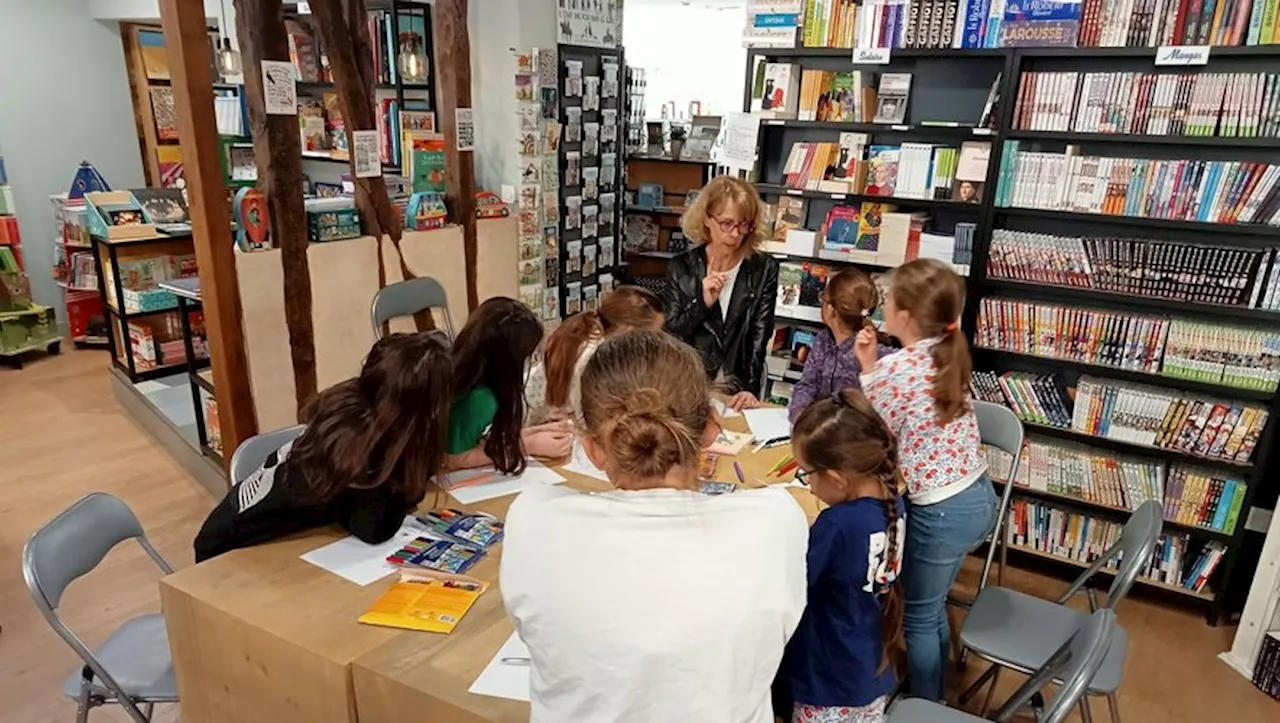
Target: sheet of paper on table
{"points": [[580, 464], [505, 680], [723, 410], [768, 423], [360, 562], [498, 485]]}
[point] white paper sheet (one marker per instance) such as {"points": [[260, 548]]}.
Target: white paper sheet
{"points": [[768, 423], [724, 411], [501, 485], [505, 680], [359, 562], [580, 464]]}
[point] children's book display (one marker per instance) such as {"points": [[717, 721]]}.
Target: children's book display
{"points": [[426, 211], [167, 209], [117, 216], [24, 325], [537, 89], [253, 220], [591, 112]]}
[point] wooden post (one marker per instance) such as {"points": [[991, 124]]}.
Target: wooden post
{"points": [[187, 40], [277, 149], [453, 91]]}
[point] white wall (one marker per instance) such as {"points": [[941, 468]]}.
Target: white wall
{"points": [[64, 98], [688, 52]]}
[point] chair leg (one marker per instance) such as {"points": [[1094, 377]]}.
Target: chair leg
{"points": [[82, 704], [1085, 714], [972, 690], [1113, 703], [991, 691], [147, 708]]}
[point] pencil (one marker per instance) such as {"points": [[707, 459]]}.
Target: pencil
{"points": [[741, 477], [781, 463]]}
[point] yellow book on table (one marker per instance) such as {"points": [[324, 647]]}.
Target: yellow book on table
{"points": [[425, 602]]}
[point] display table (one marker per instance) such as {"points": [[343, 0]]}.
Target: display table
{"points": [[260, 635]]}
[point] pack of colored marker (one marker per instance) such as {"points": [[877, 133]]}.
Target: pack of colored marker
{"points": [[477, 529], [431, 553]]}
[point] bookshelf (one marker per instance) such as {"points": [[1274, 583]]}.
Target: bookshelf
{"points": [[949, 86]]}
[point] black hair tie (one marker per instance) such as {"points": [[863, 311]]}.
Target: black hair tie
{"points": [[838, 399]]}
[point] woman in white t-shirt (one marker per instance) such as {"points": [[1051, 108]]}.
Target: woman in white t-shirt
{"points": [[652, 602], [551, 389]]}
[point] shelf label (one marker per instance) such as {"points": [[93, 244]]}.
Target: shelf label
{"points": [[773, 122], [982, 131], [837, 197], [794, 192], [1182, 55], [871, 56], [899, 128]]}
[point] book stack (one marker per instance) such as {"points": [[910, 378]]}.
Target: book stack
{"points": [[1091, 336], [1224, 192], [1058, 532], [1035, 398], [831, 96], [829, 23], [1168, 419], [1201, 498], [1073, 470], [1230, 105], [1152, 23], [1210, 353], [1224, 275]]}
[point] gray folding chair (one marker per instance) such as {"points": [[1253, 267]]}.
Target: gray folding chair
{"points": [[1076, 662], [133, 668], [408, 297], [252, 452], [999, 427], [1019, 631]]}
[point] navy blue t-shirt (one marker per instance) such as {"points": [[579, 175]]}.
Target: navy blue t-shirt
{"points": [[835, 655]]}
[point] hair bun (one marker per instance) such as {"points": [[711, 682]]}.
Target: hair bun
{"points": [[643, 402]]}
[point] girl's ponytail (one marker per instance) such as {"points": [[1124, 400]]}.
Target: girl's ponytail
{"points": [[933, 295]]}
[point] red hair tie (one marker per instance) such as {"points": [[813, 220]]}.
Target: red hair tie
{"points": [[953, 326]]}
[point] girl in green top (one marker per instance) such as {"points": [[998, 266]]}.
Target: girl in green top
{"points": [[489, 359]]}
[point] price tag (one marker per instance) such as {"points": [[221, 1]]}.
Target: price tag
{"points": [[871, 56], [1182, 55], [773, 122], [982, 131], [838, 197], [899, 128], [794, 192]]}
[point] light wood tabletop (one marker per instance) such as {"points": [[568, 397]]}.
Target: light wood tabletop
{"points": [[261, 635]]}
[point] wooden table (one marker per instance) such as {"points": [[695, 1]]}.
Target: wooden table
{"points": [[260, 635]]}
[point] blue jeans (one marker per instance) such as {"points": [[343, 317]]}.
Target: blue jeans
{"points": [[938, 538]]}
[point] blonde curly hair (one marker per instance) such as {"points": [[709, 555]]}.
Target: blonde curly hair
{"points": [[721, 194]]}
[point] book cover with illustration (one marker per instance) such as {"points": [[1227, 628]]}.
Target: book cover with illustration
{"points": [[971, 171], [882, 170], [869, 226], [779, 95], [840, 229], [891, 102], [427, 170], [789, 216], [800, 288]]}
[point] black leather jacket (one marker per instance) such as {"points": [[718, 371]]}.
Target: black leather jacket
{"points": [[736, 344]]}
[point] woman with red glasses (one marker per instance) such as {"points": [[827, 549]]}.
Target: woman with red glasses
{"points": [[719, 295]]}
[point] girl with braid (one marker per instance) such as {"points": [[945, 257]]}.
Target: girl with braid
{"points": [[839, 666]]}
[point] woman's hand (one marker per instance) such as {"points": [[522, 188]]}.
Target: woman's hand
{"points": [[712, 285], [548, 441], [867, 349], [741, 401]]}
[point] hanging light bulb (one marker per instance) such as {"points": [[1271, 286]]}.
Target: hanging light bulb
{"points": [[228, 60], [412, 61]]}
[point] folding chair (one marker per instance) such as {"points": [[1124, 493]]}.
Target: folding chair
{"points": [[253, 452], [406, 298], [999, 427], [1075, 663], [1019, 631], [133, 668]]}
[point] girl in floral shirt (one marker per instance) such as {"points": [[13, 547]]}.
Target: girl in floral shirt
{"points": [[921, 392]]}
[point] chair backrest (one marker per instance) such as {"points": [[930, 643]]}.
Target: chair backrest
{"points": [[252, 452], [408, 297], [999, 427], [74, 542], [1075, 664], [1137, 544]]}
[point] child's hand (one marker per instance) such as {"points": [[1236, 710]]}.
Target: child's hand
{"points": [[867, 349], [742, 400], [548, 444]]}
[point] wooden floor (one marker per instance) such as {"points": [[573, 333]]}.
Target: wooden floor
{"points": [[62, 435]]}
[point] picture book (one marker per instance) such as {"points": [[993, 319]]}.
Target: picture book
{"points": [[427, 166], [971, 171], [649, 195], [801, 343], [430, 604], [869, 225], [477, 529], [779, 94], [315, 137], [155, 59], [730, 443], [166, 208], [800, 288], [639, 234], [891, 101], [335, 128], [303, 50], [165, 115], [789, 215], [840, 228], [882, 170], [169, 158]]}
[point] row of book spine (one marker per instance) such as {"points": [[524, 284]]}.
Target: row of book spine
{"points": [[1083, 538], [829, 23], [1167, 419], [1211, 353], [1223, 192], [1190, 496], [1152, 23], [1035, 398], [1229, 105], [1222, 275]]}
